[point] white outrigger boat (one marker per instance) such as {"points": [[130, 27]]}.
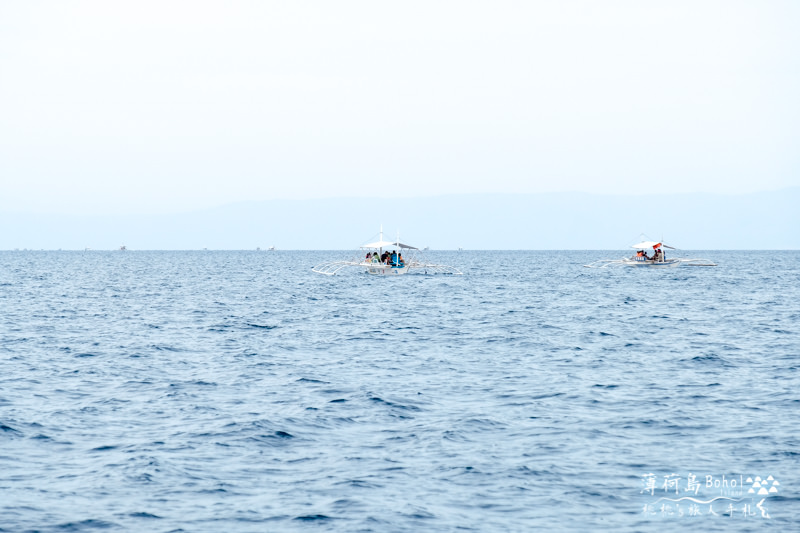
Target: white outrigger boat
{"points": [[657, 260], [385, 258]]}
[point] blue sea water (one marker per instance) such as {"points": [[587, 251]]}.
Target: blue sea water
{"points": [[239, 391]]}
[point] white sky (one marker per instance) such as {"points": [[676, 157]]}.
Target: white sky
{"points": [[159, 106]]}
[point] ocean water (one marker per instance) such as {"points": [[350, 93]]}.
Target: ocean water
{"points": [[239, 391]]}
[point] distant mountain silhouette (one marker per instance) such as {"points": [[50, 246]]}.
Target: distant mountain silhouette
{"points": [[766, 220]]}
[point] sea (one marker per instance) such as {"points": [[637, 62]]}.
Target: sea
{"points": [[238, 391]]}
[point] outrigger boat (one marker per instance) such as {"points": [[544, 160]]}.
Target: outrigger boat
{"points": [[393, 265], [657, 260]]}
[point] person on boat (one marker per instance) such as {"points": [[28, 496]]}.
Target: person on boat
{"points": [[400, 261], [394, 258]]}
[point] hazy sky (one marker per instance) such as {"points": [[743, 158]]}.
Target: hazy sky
{"points": [[157, 106]]}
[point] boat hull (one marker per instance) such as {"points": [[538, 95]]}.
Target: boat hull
{"points": [[672, 263], [385, 270]]}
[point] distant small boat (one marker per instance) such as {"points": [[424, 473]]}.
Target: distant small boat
{"points": [[123, 248], [271, 248]]}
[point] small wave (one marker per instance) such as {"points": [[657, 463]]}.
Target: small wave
{"points": [[357, 483], [6, 428], [313, 518], [455, 436], [422, 514], [87, 525], [711, 359], [549, 395], [392, 404], [787, 453], [165, 348]]}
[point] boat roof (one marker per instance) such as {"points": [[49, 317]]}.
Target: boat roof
{"points": [[385, 244], [650, 244]]}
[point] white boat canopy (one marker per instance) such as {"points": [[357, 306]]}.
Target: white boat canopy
{"points": [[385, 244], [650, 244]]}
